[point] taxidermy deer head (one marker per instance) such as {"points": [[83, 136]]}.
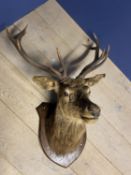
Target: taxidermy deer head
{"points": [[65, 127]]}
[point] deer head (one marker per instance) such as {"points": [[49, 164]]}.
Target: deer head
{"points": [[72, 91], [68, 90]]}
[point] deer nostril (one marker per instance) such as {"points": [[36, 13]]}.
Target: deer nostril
{"points": [[96, 113], [94, 110]]}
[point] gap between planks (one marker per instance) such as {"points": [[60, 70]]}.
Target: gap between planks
{"points": [[12, 78], [7, 168], [108, 166]]}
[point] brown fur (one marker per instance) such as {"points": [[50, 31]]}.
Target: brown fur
{"points": [[67, 129], [66, 126]]}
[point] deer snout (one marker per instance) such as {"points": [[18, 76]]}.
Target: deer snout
{"points": [[94, 110]]}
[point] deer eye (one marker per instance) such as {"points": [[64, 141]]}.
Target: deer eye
{"points": [[66, 93]]}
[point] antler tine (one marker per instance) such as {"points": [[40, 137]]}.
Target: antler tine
{"points": [[16, 40], [64, 71], [98, 60]]}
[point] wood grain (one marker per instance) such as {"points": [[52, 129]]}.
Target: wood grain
{"points": [[6, 168], [108, 148]]}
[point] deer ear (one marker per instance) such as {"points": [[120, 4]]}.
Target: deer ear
{"points": [[93, 80], [46, 82]]}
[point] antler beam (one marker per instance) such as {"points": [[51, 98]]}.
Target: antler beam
{"points": [[16, 40], [98, 60]]}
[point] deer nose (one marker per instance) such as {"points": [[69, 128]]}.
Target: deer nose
{"points": [[94, 110]]}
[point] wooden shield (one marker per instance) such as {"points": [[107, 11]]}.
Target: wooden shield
{"points": [[62, 160]]}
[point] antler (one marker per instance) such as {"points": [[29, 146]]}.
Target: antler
{"points": [[16, 40], [98, 60], [63, 70]]}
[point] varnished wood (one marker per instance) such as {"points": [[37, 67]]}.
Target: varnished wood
{"points": [[66, 160]]}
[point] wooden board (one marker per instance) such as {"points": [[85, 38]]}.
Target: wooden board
{"points": [[108, 147]]}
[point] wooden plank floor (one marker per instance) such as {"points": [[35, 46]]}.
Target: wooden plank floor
{"points": [[108, 147]]}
